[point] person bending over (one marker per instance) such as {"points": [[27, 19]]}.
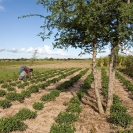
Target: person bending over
{"points": [[24, 72]]}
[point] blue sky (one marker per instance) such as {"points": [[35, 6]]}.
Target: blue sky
{"points": [[18, 37]]}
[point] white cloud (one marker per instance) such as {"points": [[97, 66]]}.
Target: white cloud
{"points": [[30, 50], [40, 50], [2, 49], [2, 8], [47, 49], [13, 50], [22, 50]]}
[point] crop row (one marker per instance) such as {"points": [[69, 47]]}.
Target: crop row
{"points": [[13, 96], [39, 77], [15, 122], [64, 121], [118, 113]]}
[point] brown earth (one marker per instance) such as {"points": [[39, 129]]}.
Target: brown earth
{"points": [[90, 121]]}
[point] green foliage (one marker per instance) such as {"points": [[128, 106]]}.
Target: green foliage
{"points": [[13, 96], [126, 131], [119, 115], [51, 96], [116, 100], [24, 114], [38, 105], [5, 103], [8, 125], [2, 93], [66, 118], [123, 119], [129, 63], [5, 85], [33, 89], [63, 128], [74, 108], [75, 100], [26, 93], [11, 89]]}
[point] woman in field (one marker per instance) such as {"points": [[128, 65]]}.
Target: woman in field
{"points": [[24, 72]]}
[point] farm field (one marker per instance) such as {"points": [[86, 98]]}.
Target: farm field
{"points": [[49, 77]]}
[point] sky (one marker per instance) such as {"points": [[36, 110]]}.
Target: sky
{"points": [[18, 37]]}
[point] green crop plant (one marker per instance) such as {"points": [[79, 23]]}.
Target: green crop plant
{"points": [[74, 108], [11, 89], [63, 128], [5, 85], [8, 125], [13, 84], [66, 118], [5, 103], [51, 96], [38, 105], [26, 93], [25, 113], [33, 89], [13, 96], [1, 81], [75, 100], [2, 93]]}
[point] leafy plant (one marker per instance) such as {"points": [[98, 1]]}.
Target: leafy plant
{"points": [[2, 93], [26, 93], [5, 103], [24, 114], [13, 96], [74, 108], [8, 125], [66, 118], [38, 105], [11, 89], [63, 128]]}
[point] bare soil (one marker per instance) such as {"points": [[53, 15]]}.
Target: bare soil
{"points": [[90, 121]]}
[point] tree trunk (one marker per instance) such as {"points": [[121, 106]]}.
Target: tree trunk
{"points": [[113, 64], [128, 1], [100, 107], [111, 83]]}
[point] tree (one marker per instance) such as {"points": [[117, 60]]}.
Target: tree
{"points": [[89, 25], [121, 33]]}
